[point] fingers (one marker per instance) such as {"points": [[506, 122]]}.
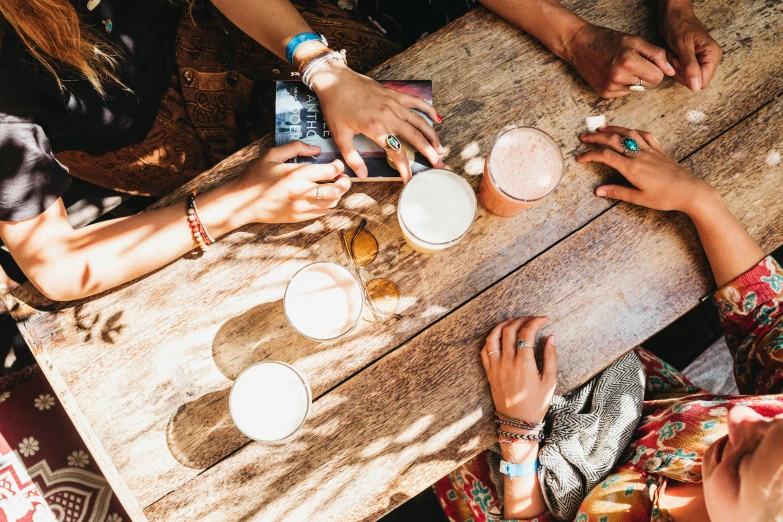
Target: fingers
{"points": [[330, 193], [651, 140], [413, 136], [527, 333], [418, 122], [492, 347], [640, 67], [511, 338], [323, 171], [605, 139], [344, 142], [709, 59], [549, 371], [609, 157], [409, 100], [283, 153], [631, 195], [689, 68], [654, 54], [400, 157]]}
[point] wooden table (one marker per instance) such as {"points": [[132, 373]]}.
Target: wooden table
{"points": [[144, 371]]}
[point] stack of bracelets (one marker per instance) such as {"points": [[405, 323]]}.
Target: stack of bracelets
{"points": [[315, 63], [502, 419], [200, 234]]}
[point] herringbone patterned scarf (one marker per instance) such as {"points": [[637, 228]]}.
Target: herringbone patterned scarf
{"points": [[588, 430]]}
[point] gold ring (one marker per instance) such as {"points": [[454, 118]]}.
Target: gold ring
{"points": [[318, 192], [392, 142], [493, 351], [410, 111]]}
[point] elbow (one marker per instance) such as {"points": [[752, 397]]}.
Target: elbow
{"points": [[56, 285]]}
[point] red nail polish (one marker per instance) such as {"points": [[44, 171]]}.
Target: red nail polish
{"points": [[440, 118]]}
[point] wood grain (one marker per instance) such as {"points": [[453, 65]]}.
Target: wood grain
{"points": [[412, 417], [137, 363]]}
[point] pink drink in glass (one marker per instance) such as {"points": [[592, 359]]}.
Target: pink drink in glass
{"points": [[523, 167]]}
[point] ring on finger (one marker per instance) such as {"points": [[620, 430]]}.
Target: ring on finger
{"points": [[410, 113], [630, 146], [638, 87], [493, 351], [392, 143], [523, 344], [318, 194]]}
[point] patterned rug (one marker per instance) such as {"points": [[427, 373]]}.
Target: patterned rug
{"points": [[46, 472]]}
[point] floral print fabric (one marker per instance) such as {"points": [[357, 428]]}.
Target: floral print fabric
{"points": [[679, 421]]}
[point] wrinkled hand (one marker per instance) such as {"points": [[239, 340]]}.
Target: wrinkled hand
{"points": [[355, 104], [518, 389], [659, 182], [279, 192], [610, 61], [695, 54]]}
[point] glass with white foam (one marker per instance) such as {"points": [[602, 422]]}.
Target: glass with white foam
{"points": [[436, 210], [523, 167], [270, 401], [323, 301]]}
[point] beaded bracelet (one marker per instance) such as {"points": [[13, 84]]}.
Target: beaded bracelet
{"points": [[533, 437], [502, 418], [200, 234]]}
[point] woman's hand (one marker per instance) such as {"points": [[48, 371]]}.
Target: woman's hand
{"points": [[658, 181], [610, 61], [696, 54], [277, 192], [355, 104], [518, 389]]}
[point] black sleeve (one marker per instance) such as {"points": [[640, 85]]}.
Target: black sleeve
{"points": [[31, 179]]}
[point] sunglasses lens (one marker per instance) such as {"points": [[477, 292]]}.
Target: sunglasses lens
{"points": [[365, 248], [385, 296]]}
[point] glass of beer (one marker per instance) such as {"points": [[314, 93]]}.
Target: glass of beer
{"points": [[523, 167], [436, 210]]}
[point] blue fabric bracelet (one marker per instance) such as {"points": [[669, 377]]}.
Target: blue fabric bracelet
{"points": [[519, 470], [298, 40]]}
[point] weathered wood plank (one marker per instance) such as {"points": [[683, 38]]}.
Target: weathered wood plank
{"points": [[197, 323], [410, 418]]}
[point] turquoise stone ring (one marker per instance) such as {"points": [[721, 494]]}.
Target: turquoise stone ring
{"points": [[630, 146], [392, 142]]}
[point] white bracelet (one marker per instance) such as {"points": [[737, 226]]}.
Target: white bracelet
{"points": [[313, 68]]}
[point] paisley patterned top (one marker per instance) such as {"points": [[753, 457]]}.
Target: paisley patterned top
{"points": [[679, 421]]}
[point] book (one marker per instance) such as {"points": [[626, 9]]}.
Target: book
{"points": [[298, 116]]}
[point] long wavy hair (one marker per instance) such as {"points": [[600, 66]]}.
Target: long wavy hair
{"points": [[55, 37]]}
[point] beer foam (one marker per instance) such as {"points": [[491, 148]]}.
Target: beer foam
{"points": [[437, 206], [269, 401], [323, 301], [526, 164]]}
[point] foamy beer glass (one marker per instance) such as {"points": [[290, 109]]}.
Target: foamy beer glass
{"points": [[436, 210], [523, 167]]}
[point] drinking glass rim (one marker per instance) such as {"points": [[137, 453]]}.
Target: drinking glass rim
{"points": [[361, 304], [308, 391], [497, 185], [451, 241]]}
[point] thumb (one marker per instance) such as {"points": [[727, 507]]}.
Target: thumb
{"points": [[655, 54], [631, 195], [283, 153], [352, 157], [689, 65]]}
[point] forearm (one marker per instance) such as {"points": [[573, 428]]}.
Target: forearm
{"points": [[523, 497], [729, 248], [271, 23], [546, 20], [70, 264]]}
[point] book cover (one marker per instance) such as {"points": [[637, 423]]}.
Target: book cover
{"points": [[298, 116]]}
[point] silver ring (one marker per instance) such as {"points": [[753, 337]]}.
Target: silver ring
{"points": [[638, 87], [523, 344], [410, 111], [493, 351], [318, 192], [630, 146]]}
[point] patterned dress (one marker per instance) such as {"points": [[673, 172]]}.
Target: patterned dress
{"points": [[679, 421]]}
